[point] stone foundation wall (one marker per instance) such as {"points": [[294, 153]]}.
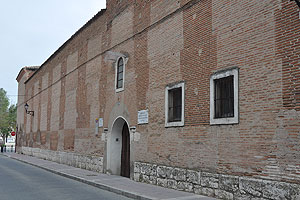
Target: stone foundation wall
{"points": [[92, 163], [214, 185]]}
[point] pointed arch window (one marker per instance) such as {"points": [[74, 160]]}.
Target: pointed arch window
{"points": [[120, 74]]}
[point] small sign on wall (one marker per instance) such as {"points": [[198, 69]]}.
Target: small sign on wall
{"points": [[100, 123], [96, 126], [143, 117]]}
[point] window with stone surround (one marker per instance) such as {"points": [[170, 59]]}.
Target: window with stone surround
{"points": [[120, 74], [224, 97], [174, 105]]}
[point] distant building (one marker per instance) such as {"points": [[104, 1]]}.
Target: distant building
{"points": [[200, 96]]}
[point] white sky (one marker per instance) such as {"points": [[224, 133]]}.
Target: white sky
{"points": [[32, 30]]}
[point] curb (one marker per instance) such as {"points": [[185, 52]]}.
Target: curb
{"points": [[92, 183]]}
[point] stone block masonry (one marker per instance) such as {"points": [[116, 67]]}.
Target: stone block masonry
{"points": [[88, 162], [215, 185]]}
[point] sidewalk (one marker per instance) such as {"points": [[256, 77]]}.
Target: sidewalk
{"points": [[116, 184]]}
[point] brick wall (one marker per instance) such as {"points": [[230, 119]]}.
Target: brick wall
{"points": [[287, 46], [166, 42]]}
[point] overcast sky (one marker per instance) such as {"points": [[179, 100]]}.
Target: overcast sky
{"points": [[32, 30]]}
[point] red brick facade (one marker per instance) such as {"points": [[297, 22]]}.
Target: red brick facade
{"points": [[166, 42]]}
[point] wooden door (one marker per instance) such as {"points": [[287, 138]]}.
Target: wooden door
{"points": [[125, 153]]}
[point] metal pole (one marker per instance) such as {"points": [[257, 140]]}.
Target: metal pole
{"points": [[16, 140]]}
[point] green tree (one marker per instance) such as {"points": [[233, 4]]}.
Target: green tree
{"points": [[8, 115]]}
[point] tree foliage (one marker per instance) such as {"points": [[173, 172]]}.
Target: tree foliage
{"points": [[8, 115]]}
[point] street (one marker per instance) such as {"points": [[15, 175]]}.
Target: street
{"points": [[22, 181]]}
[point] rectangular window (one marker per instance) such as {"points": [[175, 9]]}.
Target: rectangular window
{"points": [[224, 97], [174, 108], [175, 104]]}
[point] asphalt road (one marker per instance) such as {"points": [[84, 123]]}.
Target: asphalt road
{"points": [[20, 181]]}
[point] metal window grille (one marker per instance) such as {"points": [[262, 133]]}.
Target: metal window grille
{"points": [[175, 105], [120, 73], [224, 97]]}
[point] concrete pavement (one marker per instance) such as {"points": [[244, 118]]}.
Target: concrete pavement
{"points": [[116, 184]]}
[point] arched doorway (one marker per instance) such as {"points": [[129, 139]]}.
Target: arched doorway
{"points": [[119, 148]]}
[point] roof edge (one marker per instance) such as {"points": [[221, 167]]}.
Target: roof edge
{"points": [[99, 14], [24, 69]]}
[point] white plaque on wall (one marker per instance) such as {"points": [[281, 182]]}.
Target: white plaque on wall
{"points": [[143, 117], [100, 122]]}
